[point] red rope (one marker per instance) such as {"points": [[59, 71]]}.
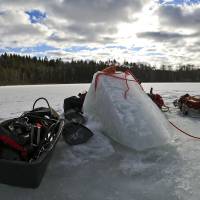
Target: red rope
{"points": [[120, 78], [111, 75], [137, 80], [192, 136]]}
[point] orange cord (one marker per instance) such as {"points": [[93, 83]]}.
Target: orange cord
{"points": [[192, 136], [110, 71]]}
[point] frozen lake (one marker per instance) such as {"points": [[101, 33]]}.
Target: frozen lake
{"points": [[104, 170]]}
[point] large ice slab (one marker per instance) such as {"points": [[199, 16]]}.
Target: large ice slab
{"points": [[134, 121]]}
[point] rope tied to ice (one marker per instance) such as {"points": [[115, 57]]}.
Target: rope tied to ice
{"points": [[111, 72]]}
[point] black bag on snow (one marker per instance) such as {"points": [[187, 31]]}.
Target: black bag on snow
{"points": [[74, 103]]}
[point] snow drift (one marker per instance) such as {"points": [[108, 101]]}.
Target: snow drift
{"points": [[125, 111]]}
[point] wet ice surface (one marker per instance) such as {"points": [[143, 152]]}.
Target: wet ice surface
{"points": [[102, 169]]}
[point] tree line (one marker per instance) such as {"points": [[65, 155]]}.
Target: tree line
{"points": [[16, 69]]}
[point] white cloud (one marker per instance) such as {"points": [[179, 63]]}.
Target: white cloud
{"points": [[185, 16], [147, 31], [17, 31]]}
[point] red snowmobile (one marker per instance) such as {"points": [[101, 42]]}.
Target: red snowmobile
{"points": [[187, 103]]}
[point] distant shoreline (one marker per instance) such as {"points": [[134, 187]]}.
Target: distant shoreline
{"points": [[49, 84], [26, 70]]}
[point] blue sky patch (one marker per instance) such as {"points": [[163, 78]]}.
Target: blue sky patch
{"points": [[116, 47], [154, 54], [2, 50], [36, 16], [35, 49], [79, 48], [179, 2], [136, 48], [43, 48]]}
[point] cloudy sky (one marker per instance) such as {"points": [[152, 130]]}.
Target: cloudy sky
{"points": [[153, 31]]}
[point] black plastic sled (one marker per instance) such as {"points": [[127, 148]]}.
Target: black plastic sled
{"points": [[74, 116], [27, 144], [75, 133]]}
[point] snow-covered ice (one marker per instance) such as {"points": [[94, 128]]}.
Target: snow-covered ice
{"points": [[131, 120], [103, 169]]}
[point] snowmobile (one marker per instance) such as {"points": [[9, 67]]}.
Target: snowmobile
{"points": [[187, 103], [26, 145]]}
